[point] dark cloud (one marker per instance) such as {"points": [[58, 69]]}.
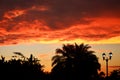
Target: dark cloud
{"points": [[61, 13]]}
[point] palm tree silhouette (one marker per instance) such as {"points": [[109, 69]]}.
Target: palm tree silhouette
{"points": [[75, 61]]}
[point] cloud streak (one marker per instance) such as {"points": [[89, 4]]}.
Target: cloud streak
{"points": [[62, 20], [114, 66]]}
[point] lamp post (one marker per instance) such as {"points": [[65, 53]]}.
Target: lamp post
{"points": [[107, 59]]}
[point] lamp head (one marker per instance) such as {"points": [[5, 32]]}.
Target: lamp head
{"points": [[110, 55], [103, 55]]}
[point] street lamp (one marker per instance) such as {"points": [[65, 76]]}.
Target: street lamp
{"points": [[107, 59]]}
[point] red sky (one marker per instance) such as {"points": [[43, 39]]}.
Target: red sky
{"points": [[24, 21]]}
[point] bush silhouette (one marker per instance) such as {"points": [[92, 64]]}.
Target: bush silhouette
{"points": [[115, 75]]}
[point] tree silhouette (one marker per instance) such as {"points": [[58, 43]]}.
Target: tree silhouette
{"points": [[115, 75], [20, 54], [75, 61], [21, 69]]}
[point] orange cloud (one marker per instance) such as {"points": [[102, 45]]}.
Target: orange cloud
{"points": [[58, 20], [13, 14]]}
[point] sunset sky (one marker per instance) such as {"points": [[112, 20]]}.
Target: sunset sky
{"points": [[38, 27]]}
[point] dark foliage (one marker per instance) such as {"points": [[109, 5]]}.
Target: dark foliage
{"points": [[115, 75], [21, 69], [75, 62], [72, 62]]}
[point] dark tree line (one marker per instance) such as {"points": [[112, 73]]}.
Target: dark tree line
{"points": [[71, 62], [21, 68]]}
